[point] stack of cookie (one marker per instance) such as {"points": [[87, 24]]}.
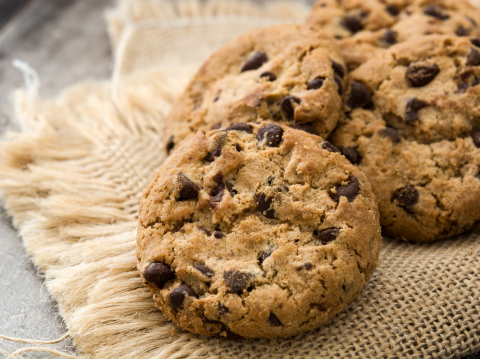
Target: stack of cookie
{"points": [[256, 226]]}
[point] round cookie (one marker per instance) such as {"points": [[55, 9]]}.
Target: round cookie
{"points": [[284, 73], [257, 230], [414, 130], [366, 27]]}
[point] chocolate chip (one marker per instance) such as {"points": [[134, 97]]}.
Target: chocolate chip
{"points": [[283, 188], [241, 126], [461, 31], [218, 177], [406, 196], [217, 198], [436, 11], [351, 154], [307, 127], [216, 153], [329, 147], [462, 87], [413, 106], [218, 235], [216, 127], [477, 176], [422, 75], [475, 41], [255, 62], [204, 270], [207, 232], [269, 76], [392, 133], [264, 205], [359, 96], [158, 273], [178, 295], [230, 188], [473, 58], [390, 37], [221, 309], [349, 191], [274, 134], [287, 106], [264, 255], [237, 281], [476, 136], [339, 83], [188, 189], [272, 318], [328, 235], [392, 10], [238, 147], [338, 69], [306, 266], [352, 23], [170, 144], [316, 83]]}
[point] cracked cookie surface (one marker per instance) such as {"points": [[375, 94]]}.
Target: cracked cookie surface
{"points": [[284, 73], [367, 27], [413, 128], [257, 230]]}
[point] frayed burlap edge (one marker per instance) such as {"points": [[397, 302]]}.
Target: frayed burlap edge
{"points": [[72, 181]]}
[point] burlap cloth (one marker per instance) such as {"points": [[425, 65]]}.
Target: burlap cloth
{"points": [[72, 179]]}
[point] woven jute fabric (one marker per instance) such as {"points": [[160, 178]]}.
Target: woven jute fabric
{"points": [[73, 177]]}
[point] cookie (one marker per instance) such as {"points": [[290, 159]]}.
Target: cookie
{"points": [[256, 230], [414, 130], [366, 27], [285, 73]]}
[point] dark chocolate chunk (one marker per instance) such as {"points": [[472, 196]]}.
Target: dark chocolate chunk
{"points": [[475, 41], [392, 133], [218, 235], [287, 107], [188, 189], [178, 295], [422, 75], [307, 127], [158, 273], [473, 58], [272, 318], [306, 266], [462, 87], [274, 134], [204, 270], [241, 126], [283, 188], [406, 196], [237, 281], [218, 177], [217, 197], [359, 96], [390, 37], [207, 232], [329, 147], [477, 176], [349, 191], [238, 147], [436, 11], [216, 153], [476, 136], [351, 154], [413, 106], [230, 188], [328, 235], [392, 10], [316, 83], [221, 309], [461, 31], [269, 76], [255, 62], [264, 205], [352, 23], [338, 69], [170, 144], [339, 83], [264, 255]]}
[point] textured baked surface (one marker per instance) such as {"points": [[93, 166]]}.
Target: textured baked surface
{"points": [[367, 27], [258, 232], [284, 73], [414, 130]]}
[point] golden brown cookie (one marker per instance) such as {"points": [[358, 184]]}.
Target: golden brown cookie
{"points": [[414, 130], [284, 73], [257, 230]]}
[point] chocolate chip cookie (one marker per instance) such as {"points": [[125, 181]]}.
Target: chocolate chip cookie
{"points": [[256, 230], [366, 27], [287, 74], [414, 130]]}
